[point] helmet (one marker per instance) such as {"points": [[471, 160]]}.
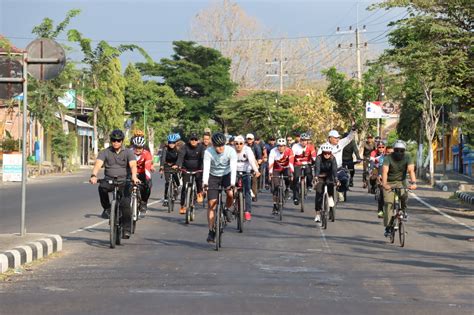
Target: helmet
{"points": [[281, 141], [138, 141], [326, 148], [117, 134], [381, 144], [305, 136], [334, 133], [239, 139], [193, 135], [174, 137], [218, 139], [138, 133], [399, 144]]}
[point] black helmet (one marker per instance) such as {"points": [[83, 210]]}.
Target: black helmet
{"points": [[218, 139], [193, 135], [117, 134]]}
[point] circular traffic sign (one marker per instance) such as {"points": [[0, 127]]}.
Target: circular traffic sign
{"points": [[46, 49]]}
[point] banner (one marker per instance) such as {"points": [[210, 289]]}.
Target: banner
{"points": [[382, 109], [69, 99], [12, 168]]}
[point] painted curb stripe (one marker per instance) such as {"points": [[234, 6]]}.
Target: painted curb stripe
{"points": [[45, 247], [3, 263], [22, 253]]}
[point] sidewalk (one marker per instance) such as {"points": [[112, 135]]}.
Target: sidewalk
{"points": [[461, 185], [16, 250]]}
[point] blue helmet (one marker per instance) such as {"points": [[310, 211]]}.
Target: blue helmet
{"points": [[174, 137]]}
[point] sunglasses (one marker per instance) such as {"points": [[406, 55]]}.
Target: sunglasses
{"points": [[399, 150], [239, 143], [193, 139], [381, 147], [250, 139], [116, 140], [327, 153], [171, 142]]}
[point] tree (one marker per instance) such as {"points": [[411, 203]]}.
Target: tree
{"points": [[63, 146], [199, 76]]}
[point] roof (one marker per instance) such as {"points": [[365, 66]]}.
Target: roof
{"points": [[12, 49], [72, 120]]}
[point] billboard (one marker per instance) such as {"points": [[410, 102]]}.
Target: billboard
{"points": [[382, 109]]}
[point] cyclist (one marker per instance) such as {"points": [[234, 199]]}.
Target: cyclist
{"points": [[169, 158], [305, 154], [121, 163], [338, 145], [257, 151], [369, 146], [246, 162], [388, 151], [268, 146], [144, 169], [325, 173], [280, 161], [190, 157], [264, 163], [375, 163], [220, 169], [348, 158], [394, 173]]}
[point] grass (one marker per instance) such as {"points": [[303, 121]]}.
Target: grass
{"points": [[8, 275]]}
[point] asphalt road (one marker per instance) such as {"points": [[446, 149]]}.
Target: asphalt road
{"points": [[272, 268]]}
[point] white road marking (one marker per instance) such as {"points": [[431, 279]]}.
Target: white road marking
{"points": [[325, 242], [441, 212]]}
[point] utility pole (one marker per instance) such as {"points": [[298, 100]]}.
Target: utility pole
{"points": [[278, 73]]}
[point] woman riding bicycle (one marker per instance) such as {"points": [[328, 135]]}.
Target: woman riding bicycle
{"points": [[325, 173], [169, 158], [144, 170]]}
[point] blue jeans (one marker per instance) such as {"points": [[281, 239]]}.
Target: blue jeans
{"points": [[247, 183]]}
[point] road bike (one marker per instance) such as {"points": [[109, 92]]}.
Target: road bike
{"points": [[191, 194], [239, 200], [219, 220], [398, 221]]}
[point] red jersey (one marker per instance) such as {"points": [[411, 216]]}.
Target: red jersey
{"points": [[144, 163], [304, 155], [278, 161]]}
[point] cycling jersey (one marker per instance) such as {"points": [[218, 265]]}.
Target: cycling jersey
{"points": [[337, 149], [303, 155], [144, 163], [279, 161], [375, 157], [218, 165], [246, 161]]}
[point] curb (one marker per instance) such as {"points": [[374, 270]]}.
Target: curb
{"points": [[29, 252], [466, 197]]}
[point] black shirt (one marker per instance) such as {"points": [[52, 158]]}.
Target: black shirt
{"points": [[116, 164], [191, 158]]}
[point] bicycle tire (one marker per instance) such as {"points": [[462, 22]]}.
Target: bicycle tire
{"points": [[280, 203], [302, 193], [217, 226], [118, 224], [134, 213], [324, 212], [171, 196], [401, 232], [241, 211], [113, 231], [187, 204]]}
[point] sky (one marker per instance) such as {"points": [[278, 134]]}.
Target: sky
{"points": [[154, 24]]}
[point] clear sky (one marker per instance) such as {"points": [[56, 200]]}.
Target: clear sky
{"points": [[153, 24]]}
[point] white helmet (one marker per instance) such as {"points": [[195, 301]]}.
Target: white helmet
{"points": [[326, 148], [281, 141], [400, 144], [138, 141], [334, 133]]}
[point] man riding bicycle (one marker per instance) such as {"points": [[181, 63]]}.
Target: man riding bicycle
{"points": [[220, 169], [381, 158], [190, 158], [144, 170], [374, 163], [369, 146], [325, 173], [280, 161], [118, 162], [169, 158], [305, 154], [257, 151], [246, 162], [394, 173], [348, 158]]}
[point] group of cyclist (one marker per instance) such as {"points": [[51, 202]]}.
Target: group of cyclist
{"points": [[220, 157]]}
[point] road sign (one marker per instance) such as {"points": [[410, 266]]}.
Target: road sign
{"points": [[46, 59], [12, 168]]}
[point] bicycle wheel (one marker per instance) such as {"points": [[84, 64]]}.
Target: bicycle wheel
{"points": [[118, 224], [171, 195], [281, 201], [187, 204], [302, 193], [134, 206], [113, 230], [241, 210], [401, 232], [324, 212], [332, 211], [217, 226]]}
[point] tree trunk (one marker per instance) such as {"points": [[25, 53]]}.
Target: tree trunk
{"points": [[430, 145], [96, 138], [151, 140]]}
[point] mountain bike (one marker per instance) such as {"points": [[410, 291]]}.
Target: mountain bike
{"points": [[115, 217], [191, 194], [219, 220], [303, 188], [172, 189], [239, 200], [281, 194], [135, 205], [397, 222]]}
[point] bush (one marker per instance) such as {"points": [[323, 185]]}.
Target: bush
{"points": [[62, 145], [9, 145]]}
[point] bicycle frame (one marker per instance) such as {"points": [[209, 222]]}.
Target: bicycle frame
{"points": [[190, 191], [398, 218], [219, 221]]}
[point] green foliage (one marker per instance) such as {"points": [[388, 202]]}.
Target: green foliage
{"points": [[9, 145], [467, 125], [47, 30], [63, 145], [199, 76]]}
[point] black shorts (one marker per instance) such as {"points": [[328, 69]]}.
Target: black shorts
{"points": [[214, 183]]}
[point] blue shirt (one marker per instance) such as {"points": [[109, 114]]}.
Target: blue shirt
{"points": [[220, 164]]}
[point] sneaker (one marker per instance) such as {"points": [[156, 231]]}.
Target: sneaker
{"points": [[105, 214], [182, 210], [351, 184], [126, 235], [364, 186], [296, 201], [248, 216], [275, 209], [380, 214], [211, 237], [254, 199], [287, 194], [387, 232], [228, 215], [165, 203], [317, 218], [200, 198], [340, 196], [310, 189]]}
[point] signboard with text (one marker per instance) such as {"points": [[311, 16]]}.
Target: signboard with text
{"points": [[382, 109], [11, 168]]}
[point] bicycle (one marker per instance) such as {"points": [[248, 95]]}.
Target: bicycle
{"points": [[398, 219], [191, 194], [239, 201], [115, 232], [303, 187], [135, 205], [219, 220], [172, 190], [328, 212], [281, 195]]}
